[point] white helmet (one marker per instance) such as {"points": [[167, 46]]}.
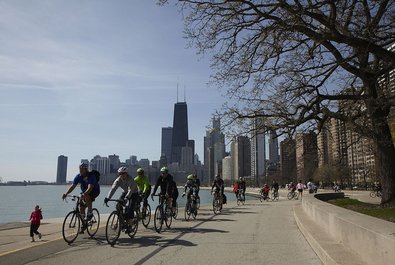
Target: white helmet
{"points": [[122, 170]]}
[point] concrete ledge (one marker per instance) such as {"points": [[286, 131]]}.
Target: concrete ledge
{"points": [[327, 249], [372, 239]]}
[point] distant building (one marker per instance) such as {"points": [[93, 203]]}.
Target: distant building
{"points": [[288, 160], [273, 148], [214, 150], [306, 155], [167, 134], [241, 156], [62, 170], [258, 152], [114, 163], [180, 131], [227, 169]]}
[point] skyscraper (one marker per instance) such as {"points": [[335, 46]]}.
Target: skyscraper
{"points": [[62, 170], [241, 156], [273, 148], [258, 152], [180, 131], [214, 150]]}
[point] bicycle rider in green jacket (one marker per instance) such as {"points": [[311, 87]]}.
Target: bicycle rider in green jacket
{"points": [[143, 185]]}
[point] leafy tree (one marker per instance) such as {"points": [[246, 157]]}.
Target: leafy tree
{"points": [[299, 63]]}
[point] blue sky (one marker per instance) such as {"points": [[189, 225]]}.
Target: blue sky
{"points": [[82, 78]]}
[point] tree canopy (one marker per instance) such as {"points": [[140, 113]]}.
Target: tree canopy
{"points": [[299, 63]]}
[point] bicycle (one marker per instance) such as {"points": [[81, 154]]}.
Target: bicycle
{"points": [[118, 221], [144, 212], [293, 195], [191, 206], [240, 198], [274, 195], [163, 213], [375, 193], [264, 197], [73, 221], [217, 205]]}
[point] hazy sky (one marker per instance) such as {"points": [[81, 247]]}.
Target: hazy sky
{"points": [[86, 78]]}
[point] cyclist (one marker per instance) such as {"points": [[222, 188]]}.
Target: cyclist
{"points": [[275, 187], [90, 189], [265, 191], [236, 188], [242, 186], [130, 191], [143, 185], [219, 187], [167, 186], [190, 188], [197, 183]]}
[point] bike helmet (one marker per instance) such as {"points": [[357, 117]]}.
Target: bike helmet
{"points": [[140, 171], [83, 165], [190, 177], [122, 170], [164, 170]]}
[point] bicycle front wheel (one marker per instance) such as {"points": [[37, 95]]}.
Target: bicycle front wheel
{"points": [[113, 228], [93, 224], [146, 215], [71, 227], [158, 221], [133, 224], [168, 217], [175, 211], [372, 194], [187, 212], [289, 196]]}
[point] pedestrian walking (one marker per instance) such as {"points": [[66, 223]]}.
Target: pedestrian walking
{"points": [[300, 187], [35, 221]]}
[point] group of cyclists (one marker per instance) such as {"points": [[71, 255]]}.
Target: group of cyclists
{"points": [[135, 189]]}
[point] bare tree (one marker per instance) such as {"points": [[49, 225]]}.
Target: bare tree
{"points": [[298, 63]]}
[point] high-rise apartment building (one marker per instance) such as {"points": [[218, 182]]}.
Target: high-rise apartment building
{"points": [[62, 170], [258, 152], [167, 135], [180, 131], [306, 155], [227, 168]]}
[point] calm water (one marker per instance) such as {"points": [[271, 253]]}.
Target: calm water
{"points": [[17, 202]]}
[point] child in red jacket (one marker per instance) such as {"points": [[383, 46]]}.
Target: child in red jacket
{"points": [[35, 220]]}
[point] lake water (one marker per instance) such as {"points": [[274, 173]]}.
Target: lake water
{"points": [[17, 202]]}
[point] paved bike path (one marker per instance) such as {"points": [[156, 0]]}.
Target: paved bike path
{"points": [[254, 233]]}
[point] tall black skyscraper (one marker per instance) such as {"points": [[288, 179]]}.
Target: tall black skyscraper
{"points": [[62, 170], [180, 131]]}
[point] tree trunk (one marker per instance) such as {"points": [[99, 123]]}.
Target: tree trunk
{"points": [[385, 159]]}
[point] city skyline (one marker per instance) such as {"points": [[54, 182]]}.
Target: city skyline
{"points": [[84, 78]]}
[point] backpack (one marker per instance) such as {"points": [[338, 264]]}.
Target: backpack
{"points": [[96, 174]]}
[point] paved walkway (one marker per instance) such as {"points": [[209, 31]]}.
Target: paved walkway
{"points": [[254, 233]]}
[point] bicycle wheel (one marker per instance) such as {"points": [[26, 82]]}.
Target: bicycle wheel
{"points": [[71, 227], [133, 224], [175, 211], [168, 217], [113, 228], [372, 194], [216, 207], [261, 197], [187, 212], [146, 215], [289, 196], [93, 224], [244, 200], [158, 221], [198, 202]]}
